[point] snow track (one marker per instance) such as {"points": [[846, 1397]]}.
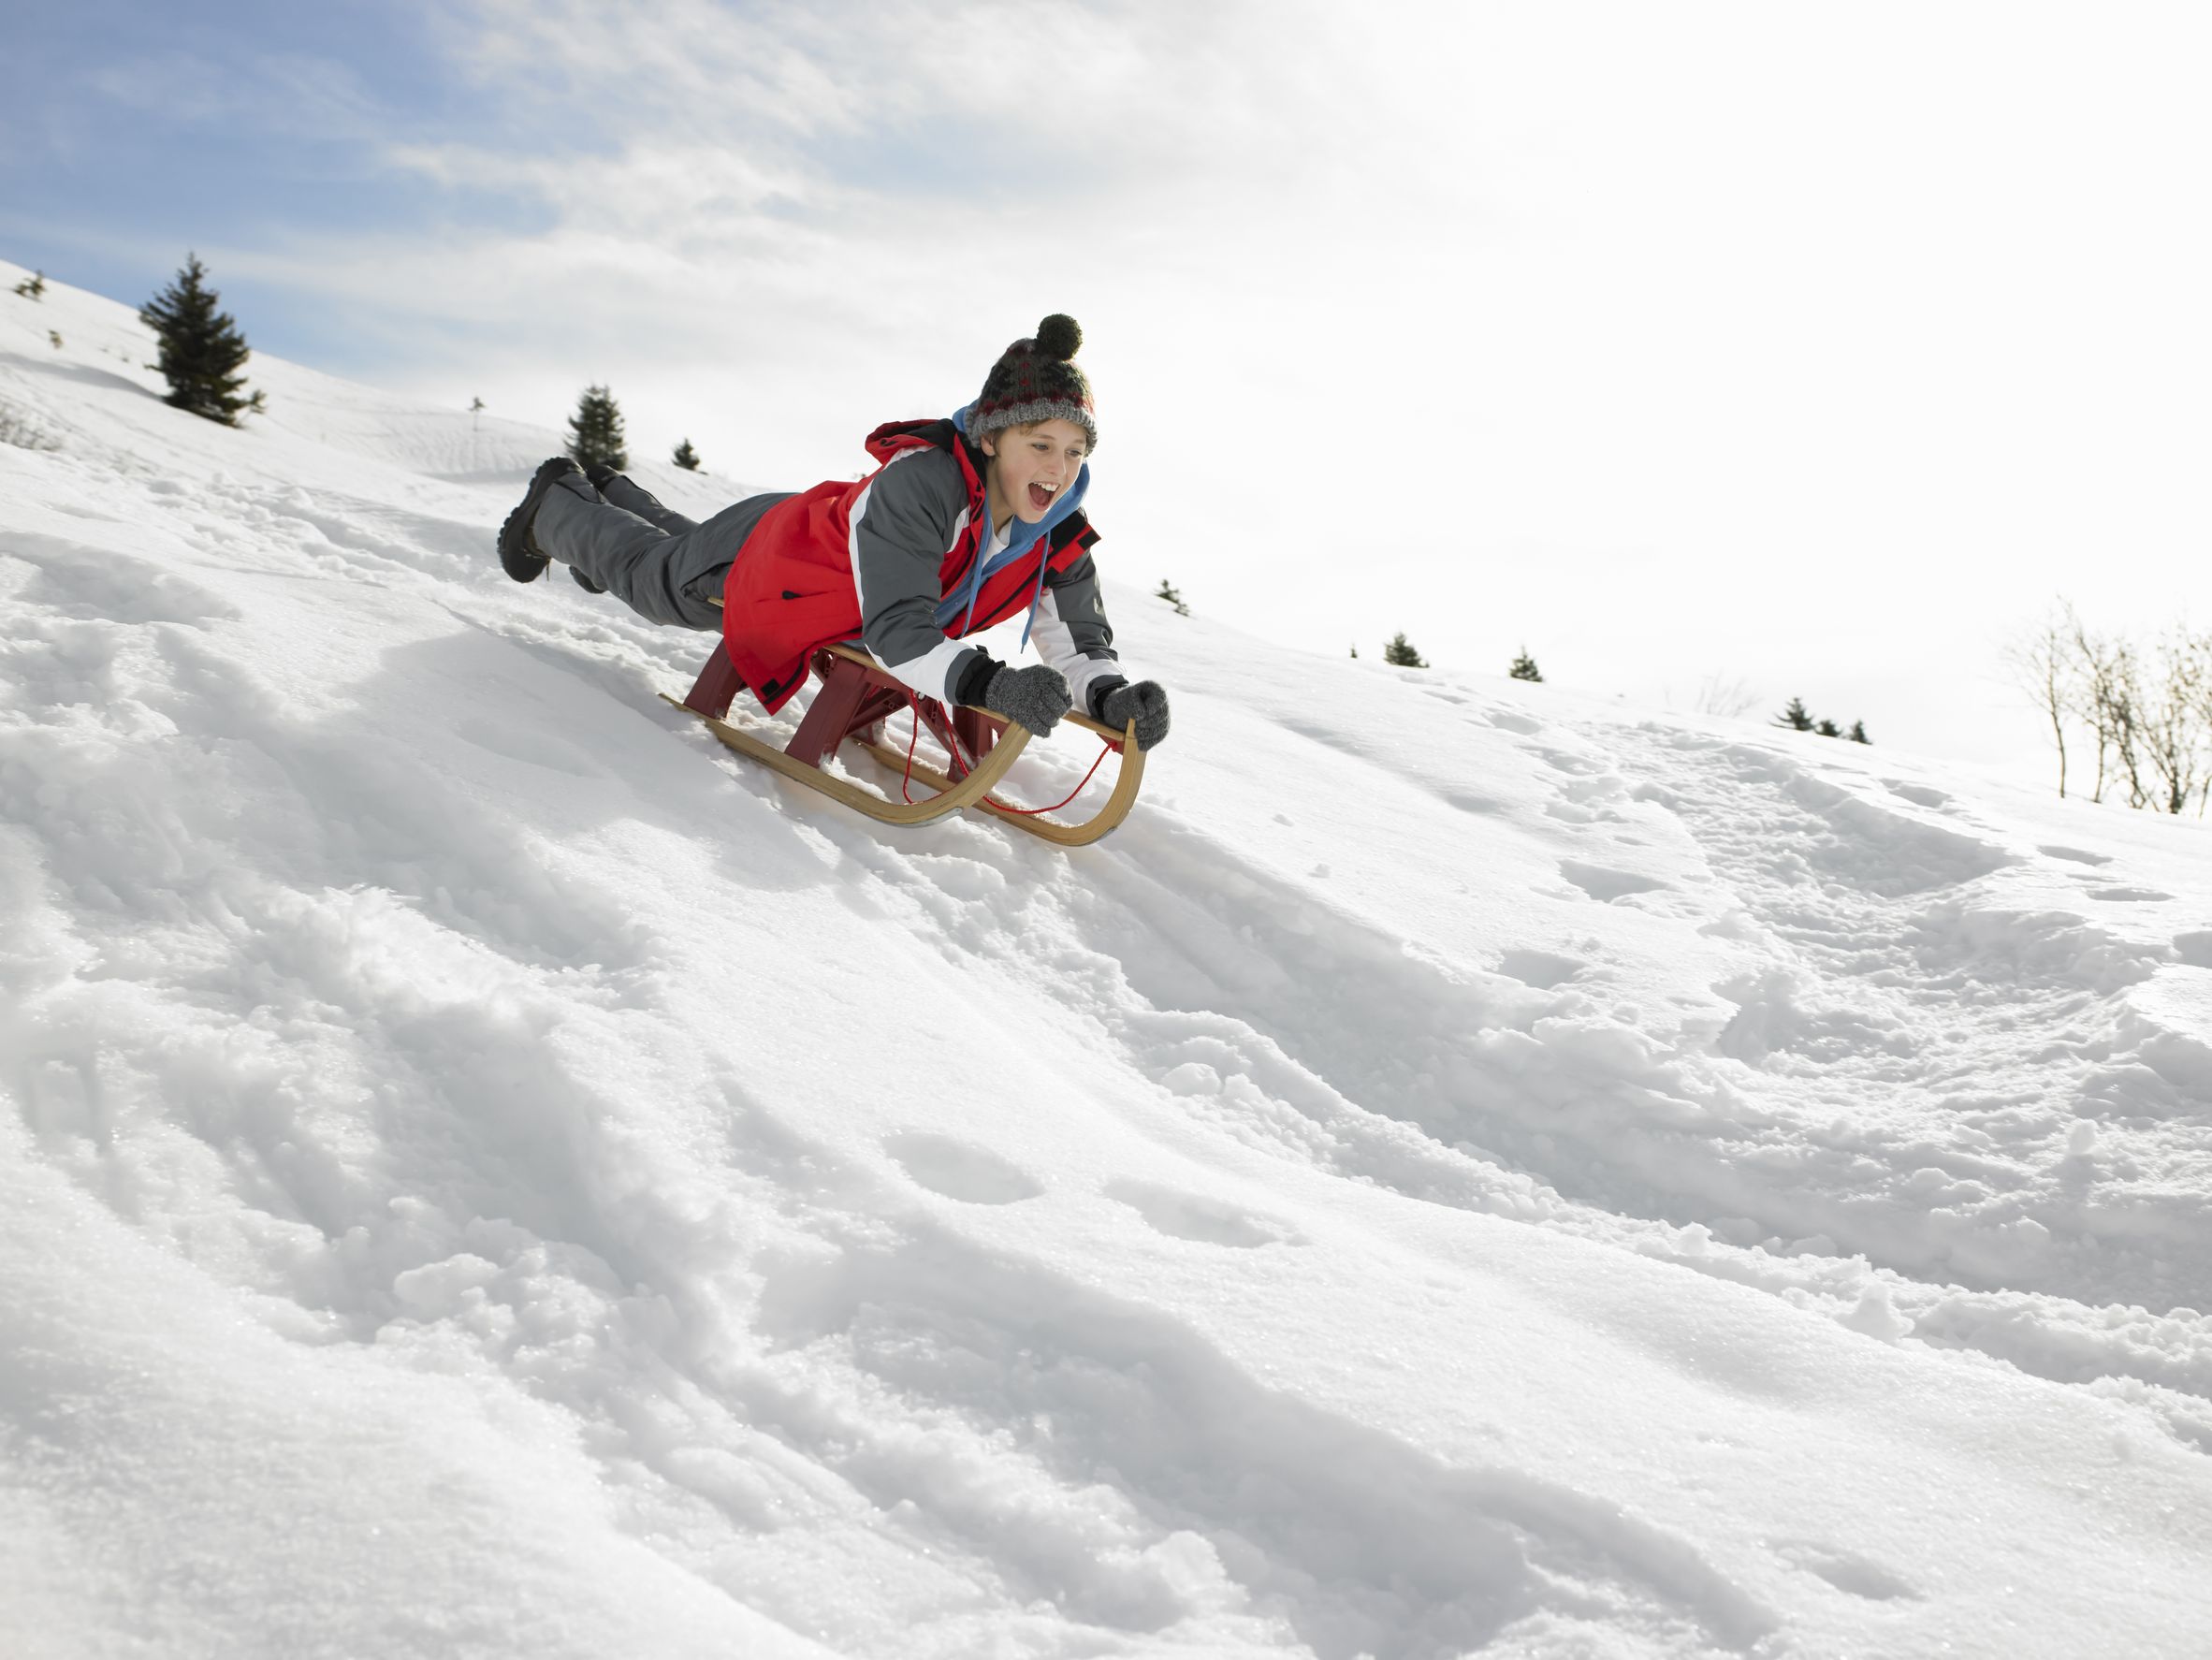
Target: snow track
{"points": [[1463, 1169]]}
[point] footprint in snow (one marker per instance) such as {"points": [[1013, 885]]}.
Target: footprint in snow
{"points": [[1512, 722], [1203, 1220], [1919, 794], [2075, 856], [1575, 766], [958, 1170], [1846, 1571], [1540, 970], [1467, 801], [1607, 885]]}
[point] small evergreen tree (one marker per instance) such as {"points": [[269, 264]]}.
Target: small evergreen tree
{"points": [[595, 430], [33, 287], [1167, 591], [1355, 650], [1524, 667], [686, 456], [201, 349], [1827, 728], [1400, 652], [1794, 717], [1858, 733]]}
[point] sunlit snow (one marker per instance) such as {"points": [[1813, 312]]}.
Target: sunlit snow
{"points": [[1466, 1169]]}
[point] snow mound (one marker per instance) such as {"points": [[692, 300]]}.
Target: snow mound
{"points": [[1466, 1167]]}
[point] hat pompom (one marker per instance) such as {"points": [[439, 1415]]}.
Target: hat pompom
{"points": [[1036, 380], [1059, 336]]}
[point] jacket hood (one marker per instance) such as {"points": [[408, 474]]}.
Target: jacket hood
{"points": [[892, 437]]}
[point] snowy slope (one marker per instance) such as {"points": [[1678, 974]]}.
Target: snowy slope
{"points": [[1465, 1169]]}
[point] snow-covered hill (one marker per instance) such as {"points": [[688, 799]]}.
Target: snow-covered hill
{"points": [[1465, 1169]]}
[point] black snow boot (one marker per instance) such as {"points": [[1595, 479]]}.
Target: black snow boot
{"points": [[518, 550]]}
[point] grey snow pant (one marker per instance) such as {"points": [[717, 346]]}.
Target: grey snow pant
{"points": [[657, 563]]}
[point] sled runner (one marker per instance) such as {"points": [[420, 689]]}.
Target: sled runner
{"points": [[856, 696]]}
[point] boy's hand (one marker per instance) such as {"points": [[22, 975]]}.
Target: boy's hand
{"points": [[1036, 696], [1145, 703]]}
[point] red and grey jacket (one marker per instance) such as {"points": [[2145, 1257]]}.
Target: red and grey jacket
{"points": [[873, 559]]}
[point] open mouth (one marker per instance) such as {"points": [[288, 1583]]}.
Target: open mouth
{"points": [[1041, 495]]}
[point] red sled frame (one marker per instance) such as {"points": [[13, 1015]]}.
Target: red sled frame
{"points": [[856, 696]]}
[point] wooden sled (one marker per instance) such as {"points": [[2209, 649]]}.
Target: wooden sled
{"points": [[856, 696]]}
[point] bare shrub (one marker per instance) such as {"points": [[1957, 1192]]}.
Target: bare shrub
{"points": [[1727, 698], [19, 429], [2147, 711]]}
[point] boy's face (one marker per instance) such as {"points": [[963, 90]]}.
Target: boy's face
{"points": [[1030, 466]]}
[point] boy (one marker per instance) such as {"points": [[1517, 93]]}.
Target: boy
{"points": [[964, 523]]}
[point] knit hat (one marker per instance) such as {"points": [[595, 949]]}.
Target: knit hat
{"points": [[1034, 380]]}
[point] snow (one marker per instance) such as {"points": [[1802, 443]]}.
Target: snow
{"points": [[1466, 1167]]}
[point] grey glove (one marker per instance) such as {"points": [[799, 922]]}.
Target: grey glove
{"points": [[1145, 703], [1036, 696]]}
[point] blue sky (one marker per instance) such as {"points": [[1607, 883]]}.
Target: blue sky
{"points": [[141, 130], [1815, 348]]}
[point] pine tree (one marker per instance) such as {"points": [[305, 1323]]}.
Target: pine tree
{"points": [[1355, 650], [1167, 591], [686, 456], [595, 430], [33, 287], [1524, 667], [1827, 728], [1858, 733], [1400, 652], [1794, 717], [201, 349]]}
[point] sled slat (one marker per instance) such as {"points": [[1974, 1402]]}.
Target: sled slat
{"points": [[1117, 807], [967, 792]]}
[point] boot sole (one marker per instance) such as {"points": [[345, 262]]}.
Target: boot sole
{"points": [[522, 562]]}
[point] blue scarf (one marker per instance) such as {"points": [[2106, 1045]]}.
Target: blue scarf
{"points": [[1021, 538]]}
